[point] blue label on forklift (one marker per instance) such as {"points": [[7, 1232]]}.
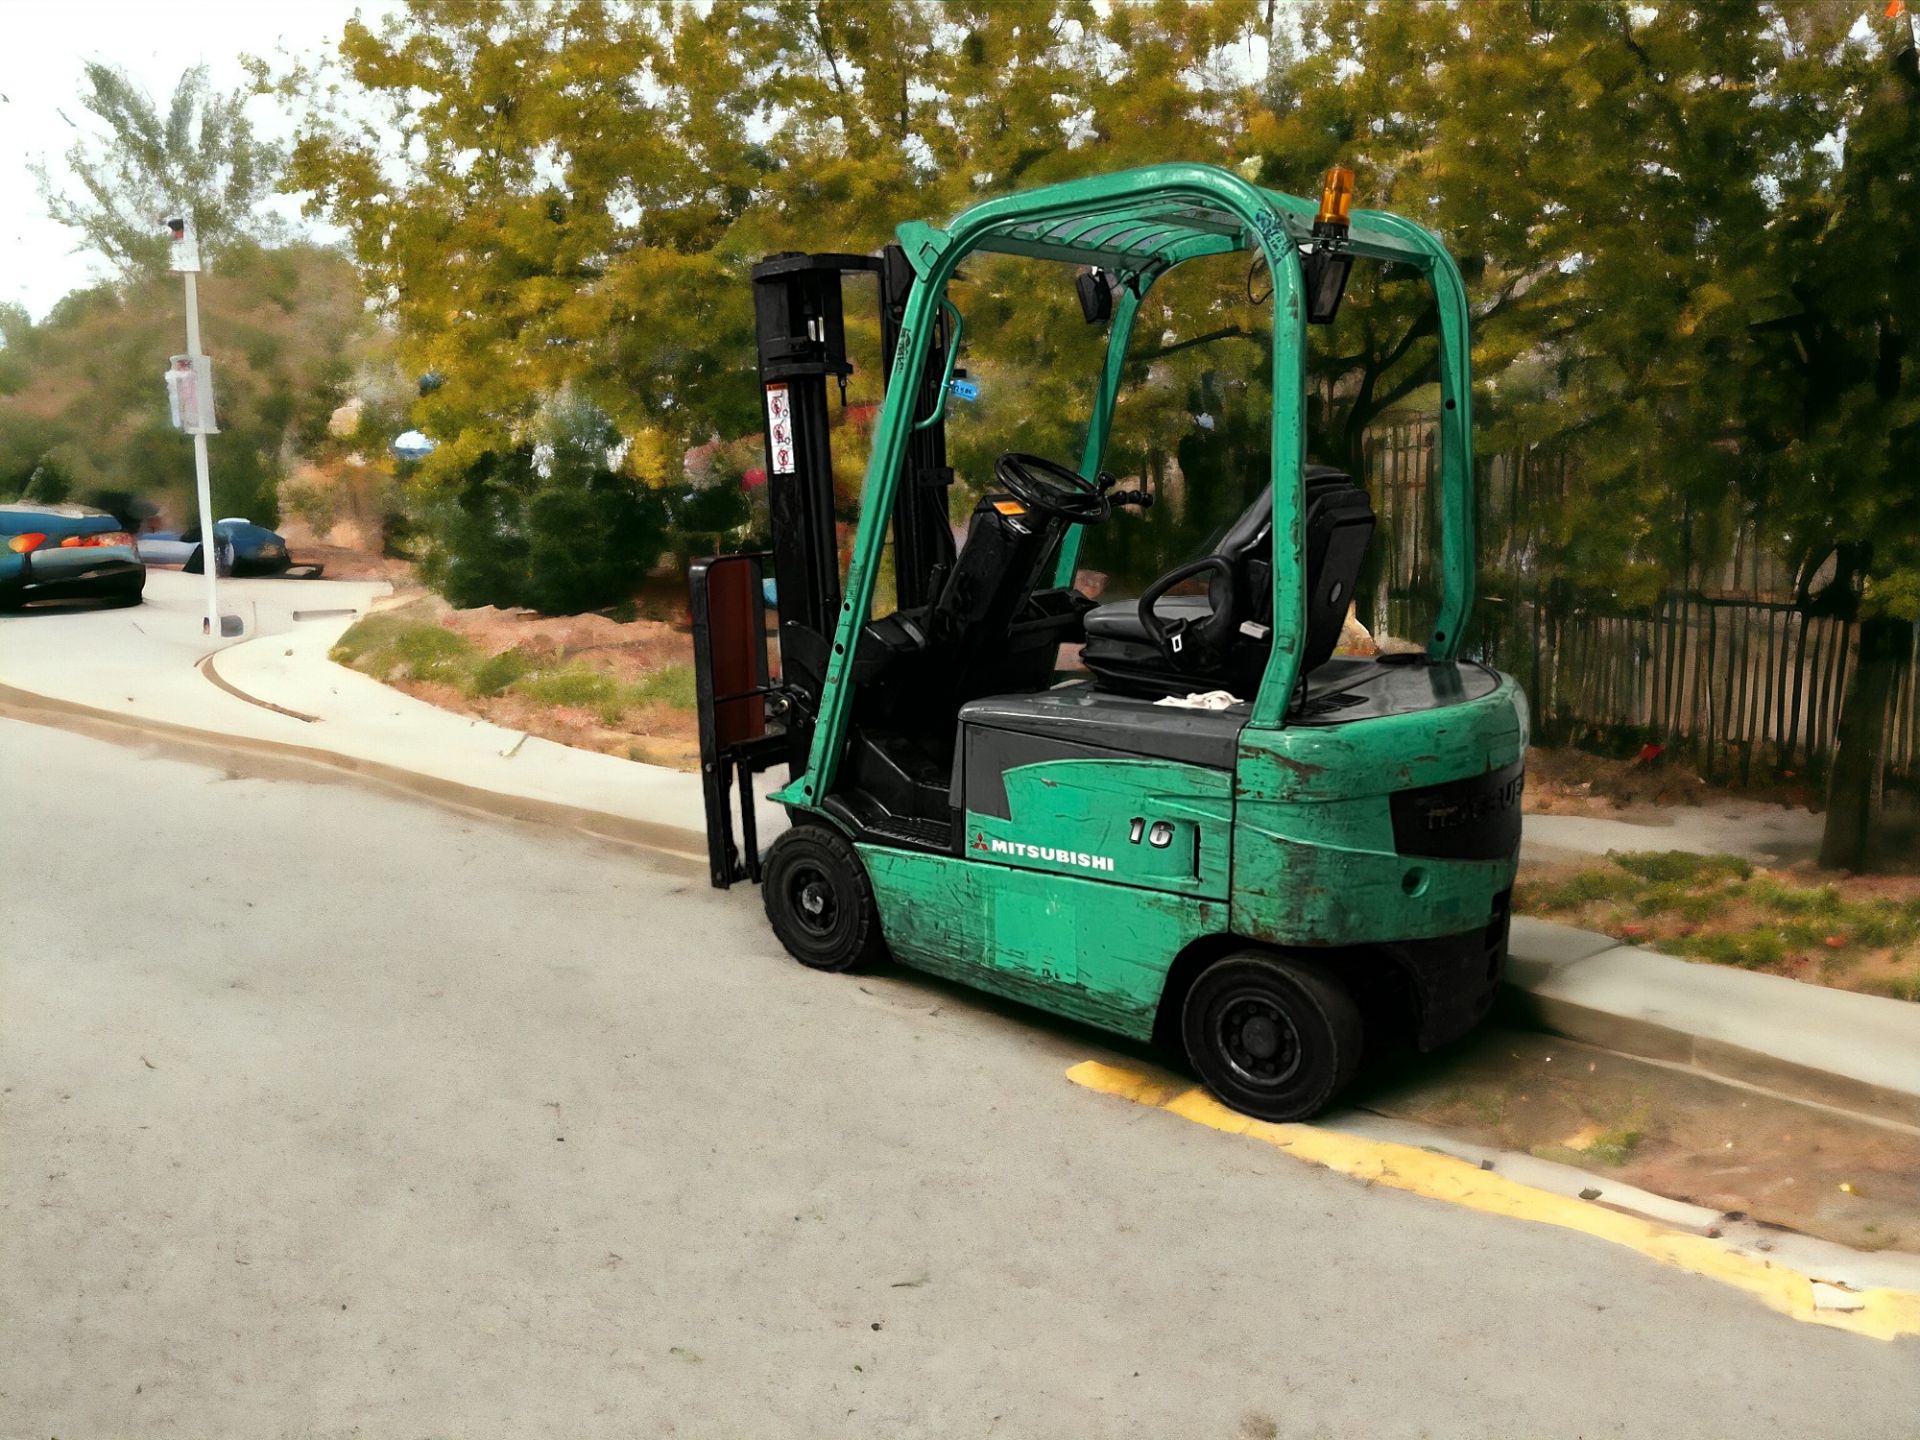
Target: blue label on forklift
{"points": [[964, 389]]}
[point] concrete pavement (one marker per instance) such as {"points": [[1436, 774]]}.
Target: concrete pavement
{"points": [[462, 1128], [1765, 834]]}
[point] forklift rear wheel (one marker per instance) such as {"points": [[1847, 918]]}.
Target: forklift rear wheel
{"points": [[1274, 1037], [819, 900]]}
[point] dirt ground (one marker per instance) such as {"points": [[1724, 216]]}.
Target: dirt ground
{"points": [[627, 652], [1578, 782], [1668, 1131], [346, 564]]}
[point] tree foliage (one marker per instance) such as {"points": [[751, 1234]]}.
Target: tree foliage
{"points": [[86, 403], [1687, 231], [201, 154]]}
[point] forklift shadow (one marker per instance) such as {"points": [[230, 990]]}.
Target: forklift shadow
{"points": [[1391, 1063], [1072, 1039]]}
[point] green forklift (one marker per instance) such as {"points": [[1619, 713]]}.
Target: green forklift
{"points": [[1246, 885]]}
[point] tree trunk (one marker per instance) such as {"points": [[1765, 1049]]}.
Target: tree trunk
{"points": [[1860, 746]]}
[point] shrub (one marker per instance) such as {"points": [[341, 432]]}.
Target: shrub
{"points": [[391, 647], [550, 525], [315, 505], [431, 652]]}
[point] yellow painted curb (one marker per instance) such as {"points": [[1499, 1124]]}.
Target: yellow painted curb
{"points": [[1883, 1314]]}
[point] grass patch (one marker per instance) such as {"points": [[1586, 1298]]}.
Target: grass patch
{"points": [[1718, 909], [498, 673], [1613, 1147], [1748, 949], [1680, 867], [394, 647], [1585, 888], [1895, 987], [669, 685]]}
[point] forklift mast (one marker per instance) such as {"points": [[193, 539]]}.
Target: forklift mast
{"points": [[763, 714]]}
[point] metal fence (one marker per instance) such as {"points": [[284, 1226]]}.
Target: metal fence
{"points": [[1723, 666]]}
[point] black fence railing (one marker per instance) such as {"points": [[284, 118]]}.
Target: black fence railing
{"points": [[1724, 667]]}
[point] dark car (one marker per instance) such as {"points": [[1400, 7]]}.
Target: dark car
{"points": [[244, 548], [66, 552]]}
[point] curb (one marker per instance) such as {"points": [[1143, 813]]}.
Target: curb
{"points": [[679, 847], [1834, 1048]]}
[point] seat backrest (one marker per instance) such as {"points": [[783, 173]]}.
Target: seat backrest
{"points": [[1338, 529], [1248, 545]]}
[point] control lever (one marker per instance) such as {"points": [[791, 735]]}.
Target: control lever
{"points": [[1130, 497]]}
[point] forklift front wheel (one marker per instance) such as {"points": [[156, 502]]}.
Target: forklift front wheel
{"points": [[1274, 1037], [819, 900]]}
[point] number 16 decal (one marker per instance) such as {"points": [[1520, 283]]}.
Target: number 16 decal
{"points": [[1159, 835]]}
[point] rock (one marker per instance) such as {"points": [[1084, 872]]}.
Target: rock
{"points": [[1833, 1297]]}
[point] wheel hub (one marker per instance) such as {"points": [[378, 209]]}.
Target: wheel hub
{"points": [[1258, 1040], [813, 900]]}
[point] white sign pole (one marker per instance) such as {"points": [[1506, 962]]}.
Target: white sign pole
{"points": [[203, 485], [197, 417]]}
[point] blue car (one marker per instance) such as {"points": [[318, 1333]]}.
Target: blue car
{"points": [[244, 548], [66, 552]]}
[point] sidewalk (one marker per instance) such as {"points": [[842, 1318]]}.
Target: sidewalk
{"points": [[276, 692]]}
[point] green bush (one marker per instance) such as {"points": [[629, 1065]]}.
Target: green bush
{"points": [[550, 525], [431, 652], [390, 647]]}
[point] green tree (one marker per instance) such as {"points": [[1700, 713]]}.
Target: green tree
{"points": [[552, 524], [1834, 413], [201, 154], [285, 327]]}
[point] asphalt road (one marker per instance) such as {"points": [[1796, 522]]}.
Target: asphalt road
{"points": [[331, 1113]]}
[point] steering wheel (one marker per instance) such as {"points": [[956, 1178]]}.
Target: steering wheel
{"points": [[1051, 488]]}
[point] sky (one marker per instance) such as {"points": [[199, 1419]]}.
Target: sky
{"points": [[154, 41]]}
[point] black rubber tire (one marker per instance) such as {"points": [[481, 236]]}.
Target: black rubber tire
{"points": [[819, 900], [1273, 1036]]}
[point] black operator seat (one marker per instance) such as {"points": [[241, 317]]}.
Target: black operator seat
{"points": [[1220, 640]]}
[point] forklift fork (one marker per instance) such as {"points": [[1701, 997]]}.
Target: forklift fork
{"points": [[741, 706]]}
